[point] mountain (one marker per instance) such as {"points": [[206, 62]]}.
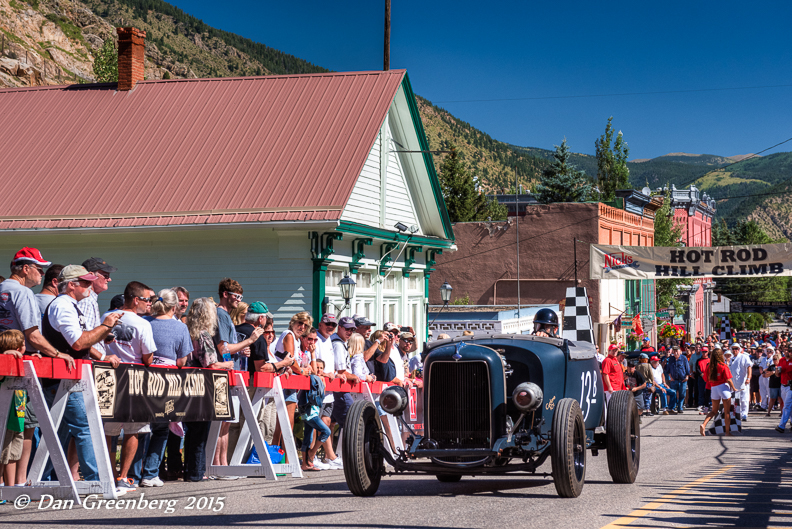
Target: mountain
{"points": [[50, 42]]}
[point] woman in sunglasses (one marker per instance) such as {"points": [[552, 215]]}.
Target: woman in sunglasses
{"points": [[288, 346]]}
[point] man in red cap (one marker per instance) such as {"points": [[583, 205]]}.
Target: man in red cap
{"points": [[18, 306], [612, 372]]}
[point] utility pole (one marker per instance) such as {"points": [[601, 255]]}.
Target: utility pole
{"points": [[387, 34], [517, 219]]}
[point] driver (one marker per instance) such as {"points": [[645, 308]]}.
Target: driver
{"points": [[546, 323]]}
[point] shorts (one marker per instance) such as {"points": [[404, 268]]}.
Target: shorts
{"points": [[113, 429], [754, 384], [30, 418], [721, 391], [327, 409], [774, 392], [639, 400], [290, 395], [12, 447]]}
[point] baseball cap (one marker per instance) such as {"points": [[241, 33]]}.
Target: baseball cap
{"points": [[408, 335], [117, 302], [29, 255], [646, 339], [329, 318], [705, 348], [728, 352], [346, 322], [770, 346], [74, 272], [654, 359], [391, 327], [97, 263], [717, 346], [643, 355], [258, 308], [362, 321]]}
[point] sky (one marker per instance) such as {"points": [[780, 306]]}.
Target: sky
{"points": [[696, 77]]}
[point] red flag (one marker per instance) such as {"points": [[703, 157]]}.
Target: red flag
{"points": [[636, 323]]}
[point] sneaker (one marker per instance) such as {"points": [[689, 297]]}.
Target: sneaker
{"points": [[227, 478], [664, 412], [319, 465], [153, 482], [743, 419], [779, 429], [126, 484], [336, 464], [672, 411], [680, 411]]}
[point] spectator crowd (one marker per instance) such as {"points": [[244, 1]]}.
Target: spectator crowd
{"points": [[704, 377], [143, 326]]}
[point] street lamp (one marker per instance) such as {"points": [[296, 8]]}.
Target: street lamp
{"points": [[671, 312], [445, 295], [347, 287], [445, 292]]}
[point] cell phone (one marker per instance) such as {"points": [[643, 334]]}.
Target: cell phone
{"points": [[404, 329], [109, 338]]}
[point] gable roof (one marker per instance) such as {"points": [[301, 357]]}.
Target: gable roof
{"points": [[198, 151]]}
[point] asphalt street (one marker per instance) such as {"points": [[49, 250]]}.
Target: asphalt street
{"points": [[685, 480]]}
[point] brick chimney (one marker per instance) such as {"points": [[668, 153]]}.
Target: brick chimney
{"points": [[131, 54]]}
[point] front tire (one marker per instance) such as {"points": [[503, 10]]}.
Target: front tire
{"points": [[363, 462], [568, 449], [623, 438]]}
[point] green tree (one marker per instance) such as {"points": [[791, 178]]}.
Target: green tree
{"points": [[105, 64], [668, 233], [464, 202], [562, 182], [750, 288], [612, 171]]}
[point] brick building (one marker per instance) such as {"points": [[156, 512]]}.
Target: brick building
{"points": [[693, 211], [484, 267]]}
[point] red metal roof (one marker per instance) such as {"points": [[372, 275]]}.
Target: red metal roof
{"points": [[198, 151]]}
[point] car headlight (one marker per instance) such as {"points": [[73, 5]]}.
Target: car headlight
{"points": [[527, 397], [394, 399]]}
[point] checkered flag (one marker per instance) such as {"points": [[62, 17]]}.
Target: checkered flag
{"points": [[577, 316], [718, 425], [725, 329]]}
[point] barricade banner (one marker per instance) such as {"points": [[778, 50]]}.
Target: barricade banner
{"points": [[136, 393], [649, 262]]}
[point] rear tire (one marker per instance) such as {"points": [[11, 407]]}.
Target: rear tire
{"points": [[623, 438], [568, 449], [449, 478], [363, 462], [654, 403]]}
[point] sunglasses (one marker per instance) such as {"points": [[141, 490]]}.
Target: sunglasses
{"points": [[234, 295], [152, 299], [331, 325]]}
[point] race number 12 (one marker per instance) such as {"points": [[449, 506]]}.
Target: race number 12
{"points": [[588, 389]]}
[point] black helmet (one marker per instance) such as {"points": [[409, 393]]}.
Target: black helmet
{"points": [[546, 317]]}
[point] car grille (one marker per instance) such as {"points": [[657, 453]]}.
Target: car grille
{"points": [[459, 405]]}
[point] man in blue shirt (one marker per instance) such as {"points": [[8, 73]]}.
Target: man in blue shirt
{"points": [[677, 370]]}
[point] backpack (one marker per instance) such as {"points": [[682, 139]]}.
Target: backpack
{"points": [[311, 397]]}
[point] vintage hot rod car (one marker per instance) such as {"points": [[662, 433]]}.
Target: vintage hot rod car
{"points": [[497, 404]]}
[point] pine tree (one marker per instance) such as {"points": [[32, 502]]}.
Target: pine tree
{"points": [[562, 182], [668, 233], [612, 171], [463, 201], [105, 64]]}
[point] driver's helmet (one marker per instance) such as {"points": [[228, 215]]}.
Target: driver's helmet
{"points": [[545, 317]]}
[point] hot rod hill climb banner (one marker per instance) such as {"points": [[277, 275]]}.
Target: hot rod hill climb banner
{"points": [[135, 393], [658, 262]]}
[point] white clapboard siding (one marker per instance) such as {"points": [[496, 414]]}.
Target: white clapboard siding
{"points": [[399, 205], [196, 259], [363, 205]]}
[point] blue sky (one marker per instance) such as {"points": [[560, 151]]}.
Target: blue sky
{"points": [[463, 50]]}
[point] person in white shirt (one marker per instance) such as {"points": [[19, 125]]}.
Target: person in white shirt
{"points": [[90, 305], [765, 361], [741, 366], [324, 351], [134, 343]]}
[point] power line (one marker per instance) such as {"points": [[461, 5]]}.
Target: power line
{"points": [[614, 94], [754, 195]]}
